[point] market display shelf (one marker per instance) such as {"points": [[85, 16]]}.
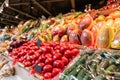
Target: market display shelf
{"points": [[26, 69]]}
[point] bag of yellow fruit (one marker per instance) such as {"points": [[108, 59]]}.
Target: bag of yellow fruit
{"points": [[116, 41]]}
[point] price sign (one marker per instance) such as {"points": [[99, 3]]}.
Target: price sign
{"points": [[38, 43]]}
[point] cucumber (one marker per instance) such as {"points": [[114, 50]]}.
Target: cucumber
{"points": [[80, 61], [81, 74], [73, 72], [87, 77]]}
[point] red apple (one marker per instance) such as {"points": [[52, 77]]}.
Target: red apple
{"points": [[70, 29]]}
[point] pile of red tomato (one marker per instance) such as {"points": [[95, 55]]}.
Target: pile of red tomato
{"points": [[51, 56]]}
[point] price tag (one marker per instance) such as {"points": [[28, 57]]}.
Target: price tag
{"points": [[38, 43], [38, 68], [79, 39]]}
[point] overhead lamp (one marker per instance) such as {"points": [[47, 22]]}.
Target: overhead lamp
{"points": [[43, 17], [31, 7], [7, 3], [17, 16], [1, 9]]}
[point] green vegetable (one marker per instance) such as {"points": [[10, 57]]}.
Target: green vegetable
{"points": [[25, 29], [81, 74], [87, 77], [77, 14], [80, 61], [73, 72]]}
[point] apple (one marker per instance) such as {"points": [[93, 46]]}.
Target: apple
{"points": [[70, 29], [55, 30], [62, 30]]}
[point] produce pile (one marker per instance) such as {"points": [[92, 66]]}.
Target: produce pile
{"points": [[94, 64], [51, 56], [15, 43], [111, 4], [99, 32], [5, 37]]}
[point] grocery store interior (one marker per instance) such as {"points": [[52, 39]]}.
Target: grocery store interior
{"points": [[60, 39]]}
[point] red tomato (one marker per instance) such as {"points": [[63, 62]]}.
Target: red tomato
{"points": [[37, 61], [25, 56], [56, 43], [40, 51], [41, 59], [55, 51], [27, 64], [48, 55], [67, 53], [37, 54], [48, 75], [71, 47], [30, 52], [35, 48], [63, 49], [57, 47], [41, 64], [35, 57], [33, 62], [65, 60], [43, 43], [29, 58], [20, 60], [46, 49], [32, 71], [55, 71], [58, 64], [57, 56], [74, 52], [52, 20], [47, 68], [49, 61]]}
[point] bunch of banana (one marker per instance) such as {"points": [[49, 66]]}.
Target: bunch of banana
{"points": [[116, 41], [44, 25], [46, 36]]}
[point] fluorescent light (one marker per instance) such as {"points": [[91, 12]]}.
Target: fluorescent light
{"points": [[32, 7], [1, 10], [7, 3], [16, 16]]}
